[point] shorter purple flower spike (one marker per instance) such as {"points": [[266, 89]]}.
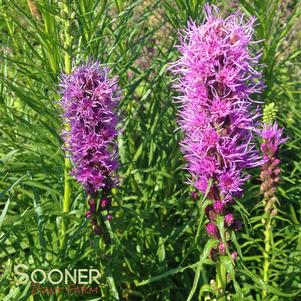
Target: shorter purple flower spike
{"points": [[270, 172], [89, 101]]}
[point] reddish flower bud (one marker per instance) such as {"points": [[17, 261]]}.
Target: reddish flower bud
{"points": [[92, 205], [194, 195], [234, 255], [236, 226], [88, 214], [97, 230], [213, 254], [93, 221], [229, 219], [104, 203], [210, 213], [219, 207], [276, 162], [222, 248], [213, 231]]}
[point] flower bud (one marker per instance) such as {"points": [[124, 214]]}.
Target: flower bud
{"points": [[273, 200], [97, 230], [104, 203], [92, 205], [219, 207], [209, 211], [213, 254], [234, 255], [213, 284], [222, 248], [213, 231], [88, 214], [194, 195], [93, 221], [236, 226], [229, 219], [276, 162]]}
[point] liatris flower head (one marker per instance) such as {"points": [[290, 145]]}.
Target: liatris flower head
{"points": [[217, 78], [89, 101]]}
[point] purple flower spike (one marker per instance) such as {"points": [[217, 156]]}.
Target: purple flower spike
{"points": [[217, 77], [270, 171], [89, 100]]}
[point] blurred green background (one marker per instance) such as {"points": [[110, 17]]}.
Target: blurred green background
{"points": [[155, 218]]}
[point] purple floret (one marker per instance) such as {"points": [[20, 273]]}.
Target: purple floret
{"points": [[273, 137]]}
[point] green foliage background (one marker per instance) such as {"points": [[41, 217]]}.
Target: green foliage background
{"points": [[155, 219]]}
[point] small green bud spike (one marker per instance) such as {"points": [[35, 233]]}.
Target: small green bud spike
{"points": [[269, 113]]}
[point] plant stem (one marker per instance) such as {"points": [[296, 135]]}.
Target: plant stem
{"points": [[68, 66], [267, 247], [221, 279], [110, 279]]}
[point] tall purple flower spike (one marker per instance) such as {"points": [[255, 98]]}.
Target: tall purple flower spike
{"points": [[89, 101], [216, 79]]}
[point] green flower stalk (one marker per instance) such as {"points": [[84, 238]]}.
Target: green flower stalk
{"points": [[67, 169]]}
